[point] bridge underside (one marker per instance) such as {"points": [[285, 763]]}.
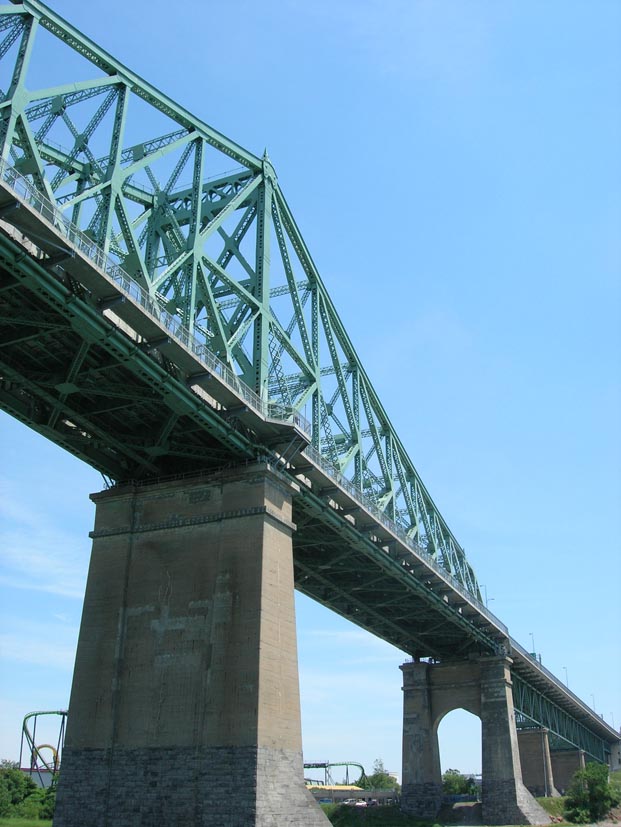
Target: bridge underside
{"points": [[69, 372], [334, 565]]}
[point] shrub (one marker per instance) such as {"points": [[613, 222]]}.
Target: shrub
{"points": [[48, 804], [454, 783], [20, 797], [590, 795], [14, 788]]}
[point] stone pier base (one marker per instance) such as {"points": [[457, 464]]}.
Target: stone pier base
{"points": [[185, 788], [184, 708], [481, 686], [422, 800]]}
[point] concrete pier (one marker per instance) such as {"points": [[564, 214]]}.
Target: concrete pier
{"points": [[482, 686], [536, 762], [185, 701], [566, 762]]}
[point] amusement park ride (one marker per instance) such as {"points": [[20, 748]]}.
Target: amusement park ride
{"points": [[43, 759], [328, 780]]}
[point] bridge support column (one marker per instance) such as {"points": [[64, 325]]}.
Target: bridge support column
{"points": [[421, 790], [481, 686], [536, 762], [185, 701], [505, 798], [565, 762]]}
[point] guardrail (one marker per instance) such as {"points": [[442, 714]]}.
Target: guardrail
{"points": [[528, 657], [333, 473], [124, 282]]}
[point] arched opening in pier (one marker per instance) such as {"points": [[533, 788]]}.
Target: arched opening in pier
{"points": [[459, 738]]}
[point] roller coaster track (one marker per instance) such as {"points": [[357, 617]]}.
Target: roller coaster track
{"points": [[326, 766], [39, 765]]}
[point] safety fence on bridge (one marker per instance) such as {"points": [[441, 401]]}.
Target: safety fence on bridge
{"points": [[399, 533], [536, 707]]}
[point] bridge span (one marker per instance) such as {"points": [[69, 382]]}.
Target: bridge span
{"points": [[174, 337]]}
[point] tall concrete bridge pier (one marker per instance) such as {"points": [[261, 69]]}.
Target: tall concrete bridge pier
{"points": [[185, 701], [482, 686]]}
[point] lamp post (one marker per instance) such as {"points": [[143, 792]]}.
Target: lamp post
{"points": [[566, 679], [532, 643]]}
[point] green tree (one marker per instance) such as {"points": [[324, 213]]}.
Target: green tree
{"points": [[39, 804], [5, 800], [454, 783], [48, 804], [590, 795], [15, 787], [380, 779]]}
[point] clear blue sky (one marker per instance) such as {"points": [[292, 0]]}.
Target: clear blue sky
{"points": [[454, 167]]}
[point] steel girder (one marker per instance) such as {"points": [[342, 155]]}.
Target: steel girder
{"points": [[370, 582], [534, 708], [220, 248], [80, 381]]}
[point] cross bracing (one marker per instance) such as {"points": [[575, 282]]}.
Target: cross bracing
{"points": [[534, 708], [541, 700], [215, 246]]}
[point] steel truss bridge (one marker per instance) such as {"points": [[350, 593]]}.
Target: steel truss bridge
{"points": [[162, 316]]}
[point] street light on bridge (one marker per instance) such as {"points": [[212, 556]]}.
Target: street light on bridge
{"points": [[488, 600]]}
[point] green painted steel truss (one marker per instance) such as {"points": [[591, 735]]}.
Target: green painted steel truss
{"points": [[202, 225], [534, 708]]}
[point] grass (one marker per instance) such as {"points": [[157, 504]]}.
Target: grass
{"points": [[553, 806], [24, 822], [386, 816]]}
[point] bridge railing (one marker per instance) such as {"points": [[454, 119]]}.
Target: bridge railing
{"points": [[127, 285], [331, 471], [528, 657]]}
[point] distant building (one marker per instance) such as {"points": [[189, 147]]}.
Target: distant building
{"points": [[41, 777]]}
